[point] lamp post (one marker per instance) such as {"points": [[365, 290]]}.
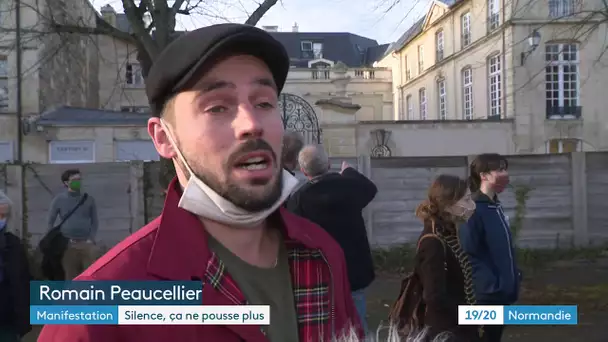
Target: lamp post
{"points": [[533, 42]]}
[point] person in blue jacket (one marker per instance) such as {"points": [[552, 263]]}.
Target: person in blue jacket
{"points": [[487, 239]]}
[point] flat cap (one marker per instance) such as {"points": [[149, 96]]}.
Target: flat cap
{"points": [[180, 64]]}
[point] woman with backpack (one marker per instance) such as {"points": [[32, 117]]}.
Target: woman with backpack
{"points": [[442, 277]]}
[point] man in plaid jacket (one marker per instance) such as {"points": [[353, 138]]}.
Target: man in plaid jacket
{"points": [[214, 92]]}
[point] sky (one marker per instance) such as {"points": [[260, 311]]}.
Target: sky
{"points": [[363, 17]]}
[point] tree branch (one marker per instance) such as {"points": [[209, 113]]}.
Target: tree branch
{"points": [[135, 18], [103, 28], [260, 11]]}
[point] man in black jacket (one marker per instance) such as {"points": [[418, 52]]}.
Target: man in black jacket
{"points": [[335, 202], [14, 280]]}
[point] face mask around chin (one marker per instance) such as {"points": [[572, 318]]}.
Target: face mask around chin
{"points": [[199, 199]]}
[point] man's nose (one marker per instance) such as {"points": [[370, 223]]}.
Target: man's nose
{"points": [[247, 123]]}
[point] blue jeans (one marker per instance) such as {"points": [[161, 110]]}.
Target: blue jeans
{"points": [[359, 299]]}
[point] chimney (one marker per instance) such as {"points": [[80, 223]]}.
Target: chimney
{"points": [[295, 27], [270, 28]]}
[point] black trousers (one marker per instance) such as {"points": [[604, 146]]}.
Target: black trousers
{"points": [[492, 333]]}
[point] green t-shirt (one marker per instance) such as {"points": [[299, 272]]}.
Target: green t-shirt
{"points": [[265, 286]]}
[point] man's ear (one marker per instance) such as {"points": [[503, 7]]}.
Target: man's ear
{"points": [[304, 172], [159, 135]]}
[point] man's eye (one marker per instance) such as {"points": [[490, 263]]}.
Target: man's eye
{"points": [[266, 105], [217, 109]]}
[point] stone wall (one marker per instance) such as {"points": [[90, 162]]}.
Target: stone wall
{"points": [[566, 193]]}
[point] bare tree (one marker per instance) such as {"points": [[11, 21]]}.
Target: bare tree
{"points": [[150, 38], [163, 20]]}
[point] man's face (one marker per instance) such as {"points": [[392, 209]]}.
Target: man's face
{"points": [[229, 130]]}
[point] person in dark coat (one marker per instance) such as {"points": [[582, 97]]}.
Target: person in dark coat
{"points": [[335, 202], [14, 280], [440, 262], [487, 239]]}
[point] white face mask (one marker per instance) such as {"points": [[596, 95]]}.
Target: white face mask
{"points": [[201, 200]]}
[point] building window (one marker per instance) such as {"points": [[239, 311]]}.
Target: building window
{"points": [[306, 49], [442, 99], [311, 50], [71, 151], [439, 45], [563, 145], [420, 59], [6, 151], [3, 83], [133, 75], [410, 107], [467, 93], [402, 104], [493, 14], [495, 81], [135, 109], [465, 22], [408, 72], [317, 50], [422, 97], [561, 8], [562, 81]]}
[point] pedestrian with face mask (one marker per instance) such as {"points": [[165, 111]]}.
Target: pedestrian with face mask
{"points": [[14, 280], [214, 92], [487, 239], [74, 215], [440, 263]]}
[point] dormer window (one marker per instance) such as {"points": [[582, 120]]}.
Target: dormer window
{"points": [[311, 50], [306, 46], [317, 50]]}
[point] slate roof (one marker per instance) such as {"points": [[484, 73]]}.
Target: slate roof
{"points": [[351, 49], [75, 116]]}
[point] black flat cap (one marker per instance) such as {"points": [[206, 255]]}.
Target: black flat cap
{"points": [[180, 64]]}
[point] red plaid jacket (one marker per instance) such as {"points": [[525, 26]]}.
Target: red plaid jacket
{"points": [[174, 247]]}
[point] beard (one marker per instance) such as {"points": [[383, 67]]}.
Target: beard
{"points": [[256, 196]]}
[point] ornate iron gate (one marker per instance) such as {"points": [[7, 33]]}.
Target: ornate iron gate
{"points": [[299, 116]]}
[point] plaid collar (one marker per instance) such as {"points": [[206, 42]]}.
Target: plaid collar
{"points": [[311, 280]]}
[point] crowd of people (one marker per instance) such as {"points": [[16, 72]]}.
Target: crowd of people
{"points": [[236, 218]]}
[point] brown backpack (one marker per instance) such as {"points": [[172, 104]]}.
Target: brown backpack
{"points": [[407, 313]]}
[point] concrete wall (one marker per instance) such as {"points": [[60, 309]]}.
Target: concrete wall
{"points": [[566, 205]]}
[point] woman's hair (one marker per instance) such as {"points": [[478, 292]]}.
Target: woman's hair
{"points": [[484, 163], [443, 193], [392, 335], [4, 200]]}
